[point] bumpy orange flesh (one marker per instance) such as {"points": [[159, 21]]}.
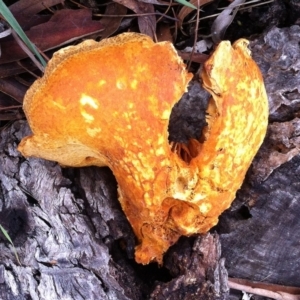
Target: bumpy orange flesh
{"points": [[109, 103]]}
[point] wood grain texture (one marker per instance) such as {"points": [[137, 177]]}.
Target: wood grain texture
{"points": [[259, 234]]}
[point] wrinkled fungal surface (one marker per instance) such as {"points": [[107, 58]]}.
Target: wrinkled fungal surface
{"points": [[109, 103]]}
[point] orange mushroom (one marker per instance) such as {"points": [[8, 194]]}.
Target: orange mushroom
{"points": [[109, 103]]}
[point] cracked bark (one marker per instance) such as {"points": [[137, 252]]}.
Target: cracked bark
{"points": [[74, 241]]}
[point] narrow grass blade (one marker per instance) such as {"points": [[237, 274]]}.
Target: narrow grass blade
{"points": [[186, 3], [10, 19], [5, 233]]}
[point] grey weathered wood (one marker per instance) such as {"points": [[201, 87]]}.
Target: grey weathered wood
{"points": [[74, 241], [260, 233], [62, 229], [198, 271]]}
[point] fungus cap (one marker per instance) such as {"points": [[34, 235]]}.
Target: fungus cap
{"points": [[109, 103]]}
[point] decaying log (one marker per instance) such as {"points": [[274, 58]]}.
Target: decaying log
{"points": [[260, 233], [74, 241], [63, 230], [197, 270]]}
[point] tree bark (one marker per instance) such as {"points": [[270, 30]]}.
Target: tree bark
{"points": [[74, 241]]}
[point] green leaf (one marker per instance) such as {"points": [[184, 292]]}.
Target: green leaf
{"points": [[9, 239], [186, 3], [10, 19]]}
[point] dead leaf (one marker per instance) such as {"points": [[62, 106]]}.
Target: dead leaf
{"points": [[223, 20], [185, 10], [13, 68], [147, 24], [164, 33], [65, 26], [13, 88], [200, 47], [111, 25], [25, 11], [10, 115], [32, 7]]}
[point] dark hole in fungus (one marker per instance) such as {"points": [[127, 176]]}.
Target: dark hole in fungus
{"points": [[187, 121]]}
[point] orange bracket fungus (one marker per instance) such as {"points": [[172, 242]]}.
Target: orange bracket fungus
{"points": [[109, 103]]}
